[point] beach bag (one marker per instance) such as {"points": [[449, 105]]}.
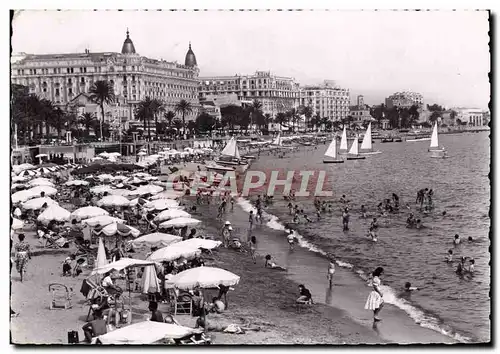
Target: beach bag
{"points": [[73, 337]]}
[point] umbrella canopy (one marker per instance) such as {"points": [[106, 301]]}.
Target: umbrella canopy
{"points": [[119, 192], [102, 220], [173, 252], [200, 243], [161, 204], [19, 179], [37, 203], [28, 173], [22, 167], [118, 229], [171, 214], [149, 281], [53, 212], [88, 212], [76, 182], [16, 224], [22, 196], [44, 170], [101, 260], [17, 185], [122, 264], [113, 201], [180, 222], [105, 177], [37, 191], [101, 189], [168, 194], [148, 189], [142, 153], [141, 174], [134, 180], [120, 178], [204, 277], [147, 332], [156, 239], [40, 182], [41, 155]]}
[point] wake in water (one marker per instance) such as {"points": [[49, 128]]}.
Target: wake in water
{"points": [[418, 315]]}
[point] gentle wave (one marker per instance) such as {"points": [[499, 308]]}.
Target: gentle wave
{"points": [[419, 316]]}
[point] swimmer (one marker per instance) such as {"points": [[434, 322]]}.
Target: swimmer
{"points": [[372, 234], [449, 256], [470, 239], [456, 240], [307, 218], [444, 213], [331, 271], [363, 211], [461, 266], [410, 222], [418, 225], [471, 265], [408, 287]]}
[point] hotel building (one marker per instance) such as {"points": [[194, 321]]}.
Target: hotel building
{"points": [[327, 100]]}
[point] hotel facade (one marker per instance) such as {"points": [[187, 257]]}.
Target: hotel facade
{"points": [[64, 78], [327, 100]]}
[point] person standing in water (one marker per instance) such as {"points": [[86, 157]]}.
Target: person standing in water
{"points": [[449, 256], [291, 239], [363, 211], [375, 300], [331, 271], [456, 240], [345, 219]]}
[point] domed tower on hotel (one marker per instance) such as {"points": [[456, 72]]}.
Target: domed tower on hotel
{"points": [[128, 46], [190, 58]]}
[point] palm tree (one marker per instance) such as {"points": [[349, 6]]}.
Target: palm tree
{"points": [[102, 92], [281, 118], [169, 117], [183, 107], [255, 110], [87, 120], [158, 108], [57, 121], [145, 111], [307, 112]]}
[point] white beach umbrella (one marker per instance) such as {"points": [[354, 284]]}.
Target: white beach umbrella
{"points": [[115, 154], [123, 263], [167, 194], [41, 155], [180, 222], [54, 212], [88, 212], [44, 170], [113, 201], [18, 185], [200, 243], [150, 178], [101, 189], [161, 204], [19, 179], [37, 203], [141, 174], [121, 192], [172, 252], [101, 260], [76, 182], [156, 239], [24, 166], [148, 189], [40, 182], [204, 277], [118, 229], [22, 196], [101, 220], [103, 154], [105, 176], [120, 178], [28, 173], [136, 201], [142, 153], [171, 214], [96, 158], [18, 224], [133, 180], [37, 191]]}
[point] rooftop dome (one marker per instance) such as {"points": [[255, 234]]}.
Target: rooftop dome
{"points": [[128, 46], [190, 58]]}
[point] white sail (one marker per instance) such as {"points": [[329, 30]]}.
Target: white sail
{"points": [[277, 141], [434, 137], [332, 149], [354, 147], [231, 149], [343, 141], [367, 140]]}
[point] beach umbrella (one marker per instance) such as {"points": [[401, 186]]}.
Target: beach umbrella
{"points": [[161, 204], [119, 192], [120, 178], [41, 155], [123, 263], [105, 177], [40, 182], [142, 153], [16, 224], [204, 277], [53, 212], [19, 179], [22, 167], [76, 182], [22, 196], [114, 154], [18, 185], [134, 180], [97, 158], [113, 201], [101, 220], [167, 194], [150, 178], [140, 201], [200, 243], [44, 170], [37, 203], [88, 212], [118, 229], [141, 174], [37, 191], [148, 189], [101, 260], [171, 214], [28, 173], [156, 239], [103, 154], [180, 222], [172, 252], [101, 189], [150, 284]]}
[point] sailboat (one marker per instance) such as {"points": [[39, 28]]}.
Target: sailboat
{"points": [[366, 145], [331, 153], [230, 156], [436, 150], [278, 143], [354, 153], [343, 143]]}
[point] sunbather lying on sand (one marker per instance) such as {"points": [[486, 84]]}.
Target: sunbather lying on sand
{"points": [[271, 264]]}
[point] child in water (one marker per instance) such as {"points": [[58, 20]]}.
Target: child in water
{"points": [[372, 234], [449, 256], [470, 239], [471, 266], [363, 212], [418, 224], [456, 240], [409, 288]]}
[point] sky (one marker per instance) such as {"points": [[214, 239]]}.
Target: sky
{"points": [[444, 55]]}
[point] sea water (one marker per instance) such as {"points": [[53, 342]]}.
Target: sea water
{"points": [[458, 306]]}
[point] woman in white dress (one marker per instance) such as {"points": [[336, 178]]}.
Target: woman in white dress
{"points": [[375, 300]]}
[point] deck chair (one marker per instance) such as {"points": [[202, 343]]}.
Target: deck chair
{"points": [[92, 291], [182, 306]]}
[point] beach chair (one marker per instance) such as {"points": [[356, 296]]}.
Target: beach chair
{"points": [[61, 296], [182, 306], [92, 291]]}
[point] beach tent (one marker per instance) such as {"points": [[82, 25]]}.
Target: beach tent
{"points": [[156, 239], [204, 277]]}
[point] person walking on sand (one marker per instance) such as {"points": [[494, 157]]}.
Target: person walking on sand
{"points": [[331, 271], [23, 254], [291, 239], [375, 300], [253, 247]]}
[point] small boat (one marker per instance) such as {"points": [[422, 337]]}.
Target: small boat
{"points": [[387, 140], [343, 143], [354, 153], [230, 157], [366, 145], [398, 139], [436, 150], [331, 153]]}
